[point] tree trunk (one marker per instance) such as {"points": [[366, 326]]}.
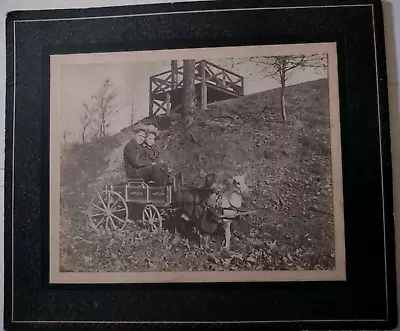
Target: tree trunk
{"points": [[174, 75], [103, 123], [203, 86], [283, 106], [189, 95], [132, 113], [189, 98]]}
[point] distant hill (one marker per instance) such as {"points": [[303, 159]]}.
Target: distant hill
{"points": [[288, 164]]}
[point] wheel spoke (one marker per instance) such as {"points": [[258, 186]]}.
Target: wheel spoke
{"points": [[153, 226], [99, 223], [115, 203], [107, 226], [102, 201], [116, 217], [102, 209], [95, 215], [112, 223], [119, 210], [146, 213]]}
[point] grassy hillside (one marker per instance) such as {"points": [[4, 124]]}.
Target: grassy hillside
{"points": [[288, 165]]}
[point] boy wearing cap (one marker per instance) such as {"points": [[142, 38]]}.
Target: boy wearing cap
{"points": [[149, 144], [135, 157]]}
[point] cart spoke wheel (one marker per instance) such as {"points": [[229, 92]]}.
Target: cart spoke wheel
{"points": [[108, 209], [152, 216]]}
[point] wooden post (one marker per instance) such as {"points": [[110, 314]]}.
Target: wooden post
{"points": [[168, 105], [151, 97], [224, 79], [174, 70], [203, 86]]}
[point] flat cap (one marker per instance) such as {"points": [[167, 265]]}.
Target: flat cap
{"points": [[153, 129], [139, 127]]}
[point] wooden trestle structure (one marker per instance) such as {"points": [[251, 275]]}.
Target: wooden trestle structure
{"points": [[212, 83]]}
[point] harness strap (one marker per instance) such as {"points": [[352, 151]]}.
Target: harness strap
{"points": [[231, 207]]}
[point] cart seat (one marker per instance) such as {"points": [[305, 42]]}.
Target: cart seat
{"points": [[135, 178], [138, 179]]}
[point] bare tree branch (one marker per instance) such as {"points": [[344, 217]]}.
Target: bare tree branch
{"points": [[281, 68], [86, 121], [99, 117]]}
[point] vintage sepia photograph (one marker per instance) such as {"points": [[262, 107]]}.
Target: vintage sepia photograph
{"points": [[196, 165]]}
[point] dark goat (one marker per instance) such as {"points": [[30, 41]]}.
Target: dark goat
{"points": [[191, 204]]}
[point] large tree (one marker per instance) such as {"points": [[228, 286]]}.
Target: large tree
{"points": [[189, 98], [189, 93]]}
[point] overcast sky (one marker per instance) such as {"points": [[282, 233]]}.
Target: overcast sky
{"points": [[131, 83]]}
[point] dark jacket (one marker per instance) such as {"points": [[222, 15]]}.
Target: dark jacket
{"points": [[152, 153], [135, 158]]}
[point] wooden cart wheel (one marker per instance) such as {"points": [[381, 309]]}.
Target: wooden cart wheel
{"points": [[109, 210], [152, 216]]}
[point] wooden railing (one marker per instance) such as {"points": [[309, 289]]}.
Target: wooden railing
{"points": [[213, 75]]}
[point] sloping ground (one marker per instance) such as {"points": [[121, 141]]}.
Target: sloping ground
{"points": [[288, 166], [85, 169]]}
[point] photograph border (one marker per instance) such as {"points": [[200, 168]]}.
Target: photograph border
{"points": [[336, 274]]}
